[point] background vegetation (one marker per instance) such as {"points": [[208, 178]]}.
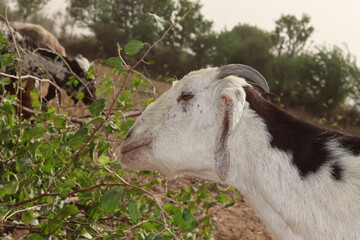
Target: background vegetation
{"points": [[318, 80], [60, 178]]}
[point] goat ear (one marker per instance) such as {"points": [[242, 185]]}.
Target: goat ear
{"points": [[232, 103]]}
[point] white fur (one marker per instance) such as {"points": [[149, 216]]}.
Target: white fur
{"points": [[83, 62], [179, 138]]}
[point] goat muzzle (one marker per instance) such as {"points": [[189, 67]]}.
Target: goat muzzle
{"points": [[131, 146]]}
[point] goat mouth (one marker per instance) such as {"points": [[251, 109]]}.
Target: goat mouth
{"points": [[129, 147]]}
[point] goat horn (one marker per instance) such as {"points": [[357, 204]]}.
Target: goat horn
{"points": [[245, 71]]}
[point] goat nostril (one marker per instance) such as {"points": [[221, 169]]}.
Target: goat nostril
{"points": [[128, 134]]}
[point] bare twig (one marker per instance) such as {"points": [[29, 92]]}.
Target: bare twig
{"points": [[150, 82], [78, 119], [20, 69], [31, 77], [13, 36], [9, 214], [68, 195]]}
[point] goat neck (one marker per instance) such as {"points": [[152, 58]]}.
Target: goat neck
{"points": [[298, 177]]}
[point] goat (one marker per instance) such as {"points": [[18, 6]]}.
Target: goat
{"points": [[39, 35], [37, 61], [302, 180]]}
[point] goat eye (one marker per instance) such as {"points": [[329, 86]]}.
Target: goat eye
{"points": [[186, 96]]}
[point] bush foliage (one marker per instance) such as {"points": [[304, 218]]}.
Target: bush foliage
{"points": [[61, 178], [302, 76]]}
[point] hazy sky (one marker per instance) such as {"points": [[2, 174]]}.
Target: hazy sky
{"points": [[335, 22]]}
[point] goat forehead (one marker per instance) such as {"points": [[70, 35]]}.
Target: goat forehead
{"points": [[196, 79]]}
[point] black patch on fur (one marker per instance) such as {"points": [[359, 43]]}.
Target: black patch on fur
{"points": [[305, 141], [336, 171], [351, 144]]}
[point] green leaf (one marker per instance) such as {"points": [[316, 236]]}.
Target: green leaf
{"points": [[151, 62], [47, 169], [5, 81], [26, 217], [8, 108], [222, 198], [34, 133], [171, 208], [11, 187], [111, 199], [104, 160], [3, 38], [230, 204], [7, 58], [36, 236], [95, 211], [67, 210], [102, 147], [95, 120], [133, 210], [64, 184], [23, 164], [185, 220], [113, 126], [97, 107], [53, 225], [189, 219], [60, 122], [114, 62], [46, 151], [3, 209], [149, 101], [148, 226], [117, 235], [80, 96], [85, 234], [157, 212], [157, 18], [78, 138], [179, 220], [125, 126], [72, 81], [133, 47]]}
